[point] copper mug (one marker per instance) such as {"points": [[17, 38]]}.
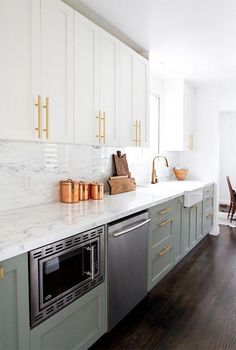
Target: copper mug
{"points": [[97, 190], [69, 191]]}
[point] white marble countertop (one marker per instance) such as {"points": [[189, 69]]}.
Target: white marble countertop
{"points": [[22, 230]]}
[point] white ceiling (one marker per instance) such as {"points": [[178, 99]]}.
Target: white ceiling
{"points": [[194, 39]]}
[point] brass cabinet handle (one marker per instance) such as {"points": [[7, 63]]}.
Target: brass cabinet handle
{"points": [[165, 250], [136, 133], [38, 104], [139, 133], [164, 211], [163, 223], [46, 106], [103, 136], [1, 273], [98, 117]]}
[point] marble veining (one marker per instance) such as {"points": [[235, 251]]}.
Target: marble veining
{"points": [[24, 229], [30, 171]]}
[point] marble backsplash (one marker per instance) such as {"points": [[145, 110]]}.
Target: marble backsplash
{"points": [[30, 172]]}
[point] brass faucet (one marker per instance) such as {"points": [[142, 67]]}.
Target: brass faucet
{"points": [[154, 173]]}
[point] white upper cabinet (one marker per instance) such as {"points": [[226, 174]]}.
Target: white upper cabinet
{"points": [[109, 88], [64, 79], [16, 98], [96, 84], [178, 116], [126, 120], [57, 71], [141, 98], [87, 125], [133, 98]]}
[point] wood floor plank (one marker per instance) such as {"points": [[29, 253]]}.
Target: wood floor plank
{"points": [[192, 308]]}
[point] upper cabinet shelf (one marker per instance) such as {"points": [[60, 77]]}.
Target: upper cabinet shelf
{"points": [[63, 79], [179, 115]]}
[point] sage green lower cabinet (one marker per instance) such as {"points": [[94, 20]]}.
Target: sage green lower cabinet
{"points": [[75, 327], [192, 229], [164, 239], [14, 304], [208, 209]]}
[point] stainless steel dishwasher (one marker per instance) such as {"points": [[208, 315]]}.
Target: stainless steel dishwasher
{"points": [[127, 265]]}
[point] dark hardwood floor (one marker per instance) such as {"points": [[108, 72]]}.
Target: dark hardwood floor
{"points": [[192, 308]]}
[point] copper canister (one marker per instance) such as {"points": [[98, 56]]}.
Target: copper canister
{"points": [[84, 189], [69, 191], [97, 190]]}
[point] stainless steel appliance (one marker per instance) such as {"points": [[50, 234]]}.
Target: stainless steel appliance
{"points": [[63, 271], [127, 265]]}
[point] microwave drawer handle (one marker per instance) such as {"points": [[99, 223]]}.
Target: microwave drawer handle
{"points": [[134, 227], [91, 273]]}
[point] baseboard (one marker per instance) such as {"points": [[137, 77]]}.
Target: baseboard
{"points": [[223, 202]]}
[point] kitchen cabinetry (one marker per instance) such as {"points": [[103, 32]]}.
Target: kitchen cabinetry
{"points": [[77, 326], [208, 209], [14, 304], [56, 73], [16, 69], [96, 84], [179, 114], [191, 227], [133, 98], [163, 228], [111, 89], [36, 69]]}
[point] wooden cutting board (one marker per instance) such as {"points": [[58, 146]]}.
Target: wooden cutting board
{"points": [[120, 184], [121, 164]]}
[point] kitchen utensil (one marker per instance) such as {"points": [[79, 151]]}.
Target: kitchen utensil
{"points": [[121, 164]]}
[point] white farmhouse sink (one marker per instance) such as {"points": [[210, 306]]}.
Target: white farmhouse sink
{"points": [[193, 197]]}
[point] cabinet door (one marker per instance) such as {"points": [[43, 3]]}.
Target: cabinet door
{"points": [[57, 70], [77, 326], [126, 123], [86, 81], [109, 88], [14, 304], [16, 69], [186, 240], [141, 98]]}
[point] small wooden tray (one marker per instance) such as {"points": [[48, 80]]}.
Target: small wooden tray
{"points": [[121, 184]]}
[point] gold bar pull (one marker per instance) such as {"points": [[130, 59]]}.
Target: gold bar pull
{"points": [[99, 126], [38, 104], [104, 127], [1, 273], [164, 251], [139, 133], [164, 211], [164, 223], [136, 133], [47, 117]]}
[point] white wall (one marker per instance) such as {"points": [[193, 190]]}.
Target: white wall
{"points": [[227, 154], [228, 98], [203, 163]]}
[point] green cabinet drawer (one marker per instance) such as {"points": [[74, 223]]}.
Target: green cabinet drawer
{"points": [[160, 230], [14, 304], [75, 327], [163, 210], [208, 203], [161, 261]]}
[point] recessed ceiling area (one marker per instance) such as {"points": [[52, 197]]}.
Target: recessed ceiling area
{"points": [[193, 39]]}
